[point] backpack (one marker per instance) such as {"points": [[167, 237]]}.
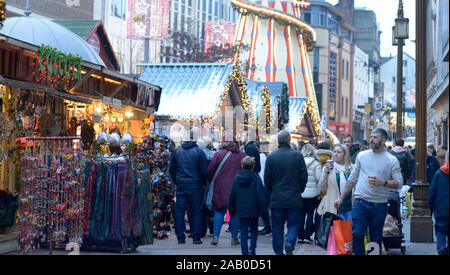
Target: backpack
{"points": [[405, 164]]}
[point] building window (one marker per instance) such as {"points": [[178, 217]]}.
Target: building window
{"points": [[347, 71], [346, 107], [318, 90], [315, 16], [210, 6], [119, 8], [216, 8], [333, 23], [403, 80], [345, 33], [204, 6], [342, 106], [405, 63], [343, 69], [175, 21], [316, 65], [393, 79], [332, 81]]}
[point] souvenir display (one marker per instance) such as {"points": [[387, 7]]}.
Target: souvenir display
{"points": [[126, 139], [102, 138], [114, 139], [5, 126], [45, 123], [51, 194], [154, 153]]}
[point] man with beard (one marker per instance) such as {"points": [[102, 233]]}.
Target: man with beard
{"points": [[376, 172]]}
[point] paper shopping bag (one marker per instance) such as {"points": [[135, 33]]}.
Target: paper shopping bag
{"points": [[331, 244], [343, 236]]}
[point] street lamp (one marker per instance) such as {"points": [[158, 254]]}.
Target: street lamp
{"points": [[400, 32]]}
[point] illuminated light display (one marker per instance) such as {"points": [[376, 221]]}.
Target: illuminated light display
{"points": [[148, 19], [2, 11], [219, 33], [279, 44]]}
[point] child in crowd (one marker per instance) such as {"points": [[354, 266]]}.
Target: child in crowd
{"points": [[247, 200]]}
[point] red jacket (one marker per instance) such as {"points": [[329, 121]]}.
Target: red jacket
{"points": [[224, 180]]}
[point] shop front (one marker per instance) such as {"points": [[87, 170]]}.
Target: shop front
{"points": [[65, 120]]}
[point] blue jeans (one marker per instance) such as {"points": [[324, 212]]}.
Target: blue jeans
{"points": [[279, 218], [265, 212], [189, 196], [347, 216], [365, 214], [219, 215], [441, 232], [244, 225]]}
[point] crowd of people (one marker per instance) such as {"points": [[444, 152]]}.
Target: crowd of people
{"points": [[292, 185]]}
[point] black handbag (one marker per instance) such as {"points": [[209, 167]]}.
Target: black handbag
{"points": [[326, 221]]}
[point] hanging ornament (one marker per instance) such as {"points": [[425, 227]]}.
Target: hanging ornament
{"points": [[126, 139], [102, 138], [5, 127]]}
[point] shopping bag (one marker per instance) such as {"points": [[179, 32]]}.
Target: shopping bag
{"points": [[331, 243], [227, 216], [209, 197], [344, 236], [324, 228]]}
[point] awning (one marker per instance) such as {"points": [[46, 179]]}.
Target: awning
{"points": [[49, 90]]}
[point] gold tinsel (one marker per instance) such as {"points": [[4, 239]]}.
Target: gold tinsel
{"points": [[5, 127]]}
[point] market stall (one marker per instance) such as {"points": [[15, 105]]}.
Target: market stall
{"points": [[74, 188]]}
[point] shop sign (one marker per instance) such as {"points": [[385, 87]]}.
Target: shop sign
{"points": [[332, 126], [150, 110], [107, 100], [117, 102]]}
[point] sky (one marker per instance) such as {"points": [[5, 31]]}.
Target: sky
{"points": [[386, 12]]}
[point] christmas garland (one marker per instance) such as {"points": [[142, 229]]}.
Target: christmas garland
{"points": [[56, 67]]}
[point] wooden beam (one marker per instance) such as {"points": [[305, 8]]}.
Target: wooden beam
{"points": [[116, 90], [84, 79]]}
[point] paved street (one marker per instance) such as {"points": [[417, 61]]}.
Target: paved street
{"points": [[170, 246]]}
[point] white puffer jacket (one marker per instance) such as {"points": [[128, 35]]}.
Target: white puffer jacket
{"points": [[314, 173]]}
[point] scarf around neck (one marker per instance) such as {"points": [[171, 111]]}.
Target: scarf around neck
{"points": [[340, 168]]}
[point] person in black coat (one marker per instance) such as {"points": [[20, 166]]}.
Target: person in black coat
{"points": [[251, 149], [189, 171], [247, 200], [286, 175]]}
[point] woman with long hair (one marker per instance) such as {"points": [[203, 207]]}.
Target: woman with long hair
{"points": [[310, 194], [334, 177]]}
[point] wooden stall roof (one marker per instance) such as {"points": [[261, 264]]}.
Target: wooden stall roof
{"points": [[96, 81]]}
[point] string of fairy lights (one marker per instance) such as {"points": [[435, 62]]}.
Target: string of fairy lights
{"points": [[311, 102]]}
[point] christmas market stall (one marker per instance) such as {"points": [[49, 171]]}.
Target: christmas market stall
{"points": [[68, 125], [198, 95]]}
